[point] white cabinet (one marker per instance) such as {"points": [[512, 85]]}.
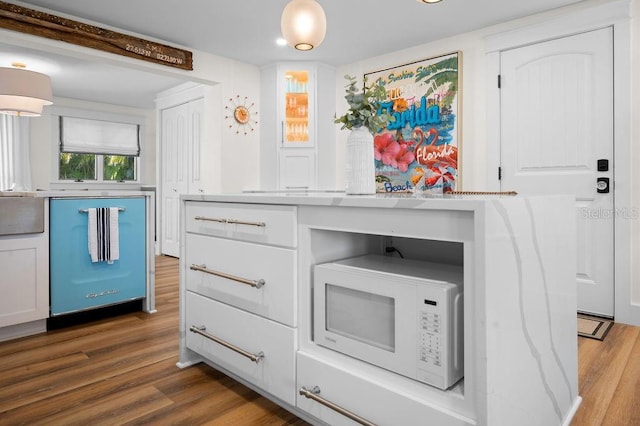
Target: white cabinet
{"points": [[238, 270], [24, 283], [181, 140], [298, 133]]}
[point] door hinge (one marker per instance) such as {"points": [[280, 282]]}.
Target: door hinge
{"points": [[499, 173], [499, 81]]}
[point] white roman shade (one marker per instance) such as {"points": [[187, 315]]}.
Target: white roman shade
{"points": [[86, 136]]}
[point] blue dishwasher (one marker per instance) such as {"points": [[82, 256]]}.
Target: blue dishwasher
{"points": [[77, 283]]}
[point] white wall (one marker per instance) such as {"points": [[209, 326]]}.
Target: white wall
{"points": [[474, 116], [241, 153], [232, 160]]}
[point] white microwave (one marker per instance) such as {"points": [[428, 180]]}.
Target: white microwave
{"points": [[402, 315]]}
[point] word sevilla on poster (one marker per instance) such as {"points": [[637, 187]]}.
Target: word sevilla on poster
{"points": [[418, 149]]}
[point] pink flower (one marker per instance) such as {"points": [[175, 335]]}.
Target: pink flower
{"points": [[391, 152]]}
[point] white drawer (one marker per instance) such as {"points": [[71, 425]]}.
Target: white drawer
{"points": [[274, 372], [272, 270], [260, 223], [362, 395]]}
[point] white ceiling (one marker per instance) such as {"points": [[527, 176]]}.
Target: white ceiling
{"points": [[246, 30], [91, 81]]}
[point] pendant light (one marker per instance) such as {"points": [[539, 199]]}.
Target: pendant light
{"points": [[23, 92], [303, 24]]}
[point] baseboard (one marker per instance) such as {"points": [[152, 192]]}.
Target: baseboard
{"points": [[182, 365], [628, 314], [22, 330], [572, 412]]}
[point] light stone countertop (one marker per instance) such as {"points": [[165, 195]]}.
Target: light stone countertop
{"points": [[335, 198]]}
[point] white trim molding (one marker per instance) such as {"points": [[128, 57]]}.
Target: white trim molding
{"points": [[615, 14]]}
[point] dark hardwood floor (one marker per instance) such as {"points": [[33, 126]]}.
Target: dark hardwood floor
{"points": [[121, 371]]}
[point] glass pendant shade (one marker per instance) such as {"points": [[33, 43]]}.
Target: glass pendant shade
{"points": [[24, 92], [303, 24]]}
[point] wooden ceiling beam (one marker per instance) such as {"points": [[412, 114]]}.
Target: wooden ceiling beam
{"points": [[31, 21]]}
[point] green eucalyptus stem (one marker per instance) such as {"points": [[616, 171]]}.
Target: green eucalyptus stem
{"points": [[363, 106]]}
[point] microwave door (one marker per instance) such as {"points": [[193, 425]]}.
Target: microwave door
{"points": [[363, 316], [367, 318]]}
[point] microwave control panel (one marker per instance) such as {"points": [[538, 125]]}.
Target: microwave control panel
{"points": [[430, 338], [439, 348]]}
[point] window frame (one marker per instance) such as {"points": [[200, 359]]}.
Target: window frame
{"points": [[100, 182]]}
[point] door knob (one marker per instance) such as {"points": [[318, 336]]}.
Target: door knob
{"points": [[602, 185]]}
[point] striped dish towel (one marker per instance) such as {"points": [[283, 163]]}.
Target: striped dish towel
{"points": [[103, 233]]}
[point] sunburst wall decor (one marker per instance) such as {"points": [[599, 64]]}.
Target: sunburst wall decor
{"points": [[240, 114]]}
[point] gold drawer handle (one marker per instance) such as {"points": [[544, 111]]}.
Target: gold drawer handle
{"points": [[211, 219], [253, 283], [242, 222], [314, 394], [202, 331], [231, 221]]}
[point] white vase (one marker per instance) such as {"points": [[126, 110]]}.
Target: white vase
{"points": [[361, 173]]}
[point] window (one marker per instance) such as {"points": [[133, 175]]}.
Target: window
{"points": [[92, 167], [119, 167], [77, 166], [98, 150]]}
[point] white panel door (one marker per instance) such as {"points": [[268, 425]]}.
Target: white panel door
{"points": [[556, 123], [174, 175], [297, 168], [194, 164]]}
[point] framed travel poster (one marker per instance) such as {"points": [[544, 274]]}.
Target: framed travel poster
{"points": [[418, 151]]}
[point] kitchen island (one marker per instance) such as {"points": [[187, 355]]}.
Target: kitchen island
{"points": [[247, 302]]}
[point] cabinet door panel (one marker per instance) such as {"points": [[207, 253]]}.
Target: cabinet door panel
{"points": [[24, 284], [297, 169], [298, 106], [275, 371]]}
